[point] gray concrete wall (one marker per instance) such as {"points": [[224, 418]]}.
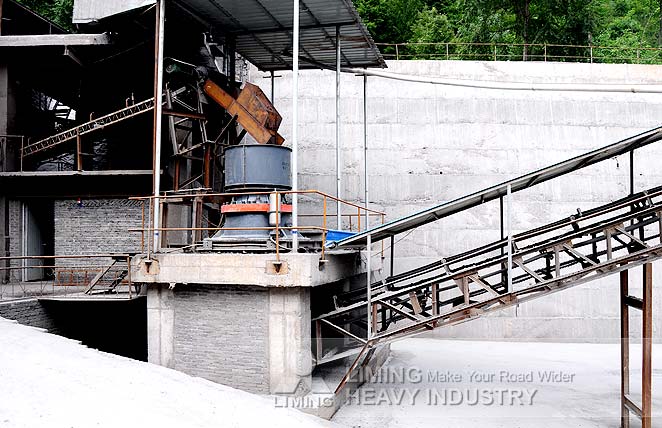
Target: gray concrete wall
{"points": [[430, 144]]}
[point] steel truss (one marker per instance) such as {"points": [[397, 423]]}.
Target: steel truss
{"points": [[86, 128], [581, 248]]}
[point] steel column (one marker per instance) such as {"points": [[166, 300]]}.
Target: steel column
{"points": [[632, 172], [158, 110], [295, 125], [646, 346], [504, 279], [645, 304], [509, 287], [392, 254], [338, 163], [367, 213]]}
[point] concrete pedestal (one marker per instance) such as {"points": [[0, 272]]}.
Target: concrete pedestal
{"points": [[238, 319]]}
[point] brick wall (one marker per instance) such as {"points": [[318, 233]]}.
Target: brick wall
{"points": [[28, 312], [15, 237], [98, 226], [221, 334]]}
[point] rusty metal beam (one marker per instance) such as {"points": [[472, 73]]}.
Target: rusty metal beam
{"points": [[645, 305]]}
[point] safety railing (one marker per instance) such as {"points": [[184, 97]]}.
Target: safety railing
{"points": [[58, 276], [318, 220], [522, 52]]}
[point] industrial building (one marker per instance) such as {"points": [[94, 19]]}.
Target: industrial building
{"points": [[170, 173]]}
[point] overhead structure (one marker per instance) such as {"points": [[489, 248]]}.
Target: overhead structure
{"points": [[261, 30]]}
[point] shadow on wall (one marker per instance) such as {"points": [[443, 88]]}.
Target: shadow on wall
{"points": [[118, 327]]}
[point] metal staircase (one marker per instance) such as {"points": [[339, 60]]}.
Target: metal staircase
{"points": [[85, 128], [580, 248], [112, 279]]}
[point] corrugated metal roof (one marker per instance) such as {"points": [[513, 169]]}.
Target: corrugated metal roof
{"points": [[262, 29], [86, 11], [495, 192]]}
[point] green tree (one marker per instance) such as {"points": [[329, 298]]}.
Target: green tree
{"points": [[584, 23], [58, 11]]}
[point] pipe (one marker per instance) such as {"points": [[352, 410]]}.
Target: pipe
{"points": [[272, 86], [338, 163], [295, 124], [510, 86], [158, 110]]}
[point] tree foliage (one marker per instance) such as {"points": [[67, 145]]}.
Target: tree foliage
{"points": [[58, 11], [635, 24]]}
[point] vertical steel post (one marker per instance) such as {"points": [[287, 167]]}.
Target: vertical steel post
{"points": [[272, 86], [646, 345], [510, 240], [365, 149], [631, 172], [79, 158], [503, 236], [338, 162], [158, 110], [0, 17], [367, 213], [625, 350], [368, 255], [295, 125], [392, 254], [645, 304]]}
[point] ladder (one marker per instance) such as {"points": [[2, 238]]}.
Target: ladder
{"points": [[85, 128], [110, 278]]}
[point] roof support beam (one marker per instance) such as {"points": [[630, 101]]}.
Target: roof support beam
{"points": [[283, 29], [55, 40]]}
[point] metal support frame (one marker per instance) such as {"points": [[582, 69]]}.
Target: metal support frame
{"points": [[509, 286], [645, 305], [295, 125], [392, 256], [158, 110], [547, 259], [631, 172], [1, 9], [371, 319], [338, 151]]}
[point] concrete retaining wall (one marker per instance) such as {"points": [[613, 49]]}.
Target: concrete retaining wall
{"points": [[430, 144]]}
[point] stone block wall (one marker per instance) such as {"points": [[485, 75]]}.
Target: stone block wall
{"points": [[98, 226], [221, 333], [28, 312]]}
